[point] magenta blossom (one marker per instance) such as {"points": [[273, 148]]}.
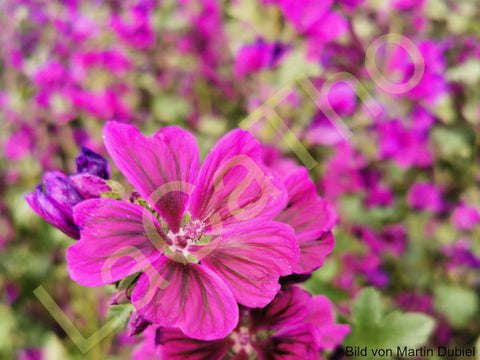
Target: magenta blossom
{"points": [[294, 325], [465, 217], [407, 147], [258, 56], [204, 242], [426, 197]]}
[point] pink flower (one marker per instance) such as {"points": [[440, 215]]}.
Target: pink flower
{"points": [[138, 31], [465, 217], [19, 143], [424, 196], [258, 56], [341, 98], [207, 242], [315, 20], [407, 147], [294, 325]]}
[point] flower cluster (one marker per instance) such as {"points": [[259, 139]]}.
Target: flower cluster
{"points": [[200, 241]]}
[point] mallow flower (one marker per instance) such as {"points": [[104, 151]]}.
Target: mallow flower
{"points": [[294, 325], [201, 240]]}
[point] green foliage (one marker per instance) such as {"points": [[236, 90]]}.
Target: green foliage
{"points": [[459, 305], [374, 329]]}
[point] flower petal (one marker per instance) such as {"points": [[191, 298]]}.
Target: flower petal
{"points": [[322, 317], [162, 168], [117, 239], [306, 212], [176, 346], [252, 257], [313, 252], [290, 307], [188, 296], [50, 211], [311, 217], [233, 186], [292, 343]]}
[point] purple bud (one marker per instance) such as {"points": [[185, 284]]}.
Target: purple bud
{"points": [[119, 297], [92, 163], [90, 186], [137, 324], [54, 201]]}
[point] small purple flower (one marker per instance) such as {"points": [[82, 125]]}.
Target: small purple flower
{"points": [[460, 255], [294, 325], [424, 196], [258, 56], [209, 242], [407, 147], [55, 198], [19, 143], [137, 30], [315, 20], [341, 98], [465, 217]]}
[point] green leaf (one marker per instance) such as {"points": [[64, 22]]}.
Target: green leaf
{"points": [[459, 305], [467, 73], [452, 144], [7, 325], [374, 330], [408, 329]]}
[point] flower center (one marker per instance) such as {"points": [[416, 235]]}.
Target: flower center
{"points": [[189, 234], [242, 340]]}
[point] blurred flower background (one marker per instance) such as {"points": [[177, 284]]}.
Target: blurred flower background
{"points": [[379, 99]]}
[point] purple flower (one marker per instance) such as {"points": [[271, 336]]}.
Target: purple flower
{"points": [[465, 217], [460, 254], [294, 325], [260, 55], [417, 302], [432, 85], [407, 147], [342, 172], [137, 32], [341, 99], [55, 198], [424, 196], [315, 20], [19, 143], [208, 241]]}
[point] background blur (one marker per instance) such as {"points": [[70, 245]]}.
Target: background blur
{"points": [[387, 125]]}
